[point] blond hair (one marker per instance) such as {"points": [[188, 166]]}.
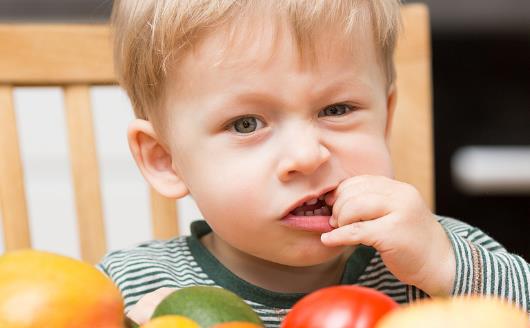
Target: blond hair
{"points": [[148, 34]]}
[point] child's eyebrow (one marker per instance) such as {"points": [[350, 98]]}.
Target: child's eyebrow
{"points": [[267, 97], [341, 85]]}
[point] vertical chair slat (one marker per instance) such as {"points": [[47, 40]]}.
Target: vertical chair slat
{"points": [[164, 216], [85, 172], [14, 211], [412, 138]]}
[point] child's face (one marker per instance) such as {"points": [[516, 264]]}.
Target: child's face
{"points": [[253, 131]]}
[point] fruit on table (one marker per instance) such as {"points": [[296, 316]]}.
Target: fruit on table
{"points": [[171, 321], [41, 289], [207, 306], [457, 312], [237, 324], [339, 307]]}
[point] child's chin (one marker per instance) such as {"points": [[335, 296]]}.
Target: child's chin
{"points": [[315, 256]]}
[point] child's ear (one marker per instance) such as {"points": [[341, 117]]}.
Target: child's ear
{"points": [[391, 107], [154, 160]]}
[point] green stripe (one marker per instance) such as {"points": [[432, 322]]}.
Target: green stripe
{"points": [[460, 260], [148, 283], [496, 248], [493, 274], [510, 284], [356, 264], [526, 287]]}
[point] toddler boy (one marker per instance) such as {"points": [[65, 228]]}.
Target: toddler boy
{"points": [[275, 116]]}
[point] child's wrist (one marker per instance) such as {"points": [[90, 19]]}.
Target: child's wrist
{"points": [[442, 267], [442, 286]]}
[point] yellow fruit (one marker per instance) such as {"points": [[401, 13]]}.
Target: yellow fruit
{"points": [[457, 312], [237, 324], [41, 289], [171, 321]]}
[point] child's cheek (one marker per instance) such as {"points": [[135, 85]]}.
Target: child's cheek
{"points": [[365, 156], [228, 193]]}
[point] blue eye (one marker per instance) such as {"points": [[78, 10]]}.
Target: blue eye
{"points": [[335, 110], [245, 125]]}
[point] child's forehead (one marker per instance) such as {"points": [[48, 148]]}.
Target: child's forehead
{"points": [[258, 41], [259, 58]]}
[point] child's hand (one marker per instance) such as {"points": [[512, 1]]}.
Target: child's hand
{"points": [[392, 217], [141, 312]]}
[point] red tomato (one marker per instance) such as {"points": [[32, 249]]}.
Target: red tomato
{"points": [[339, 307]]}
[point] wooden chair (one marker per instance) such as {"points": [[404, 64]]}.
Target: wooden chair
{"points": [[76, 57], [73, 57]]}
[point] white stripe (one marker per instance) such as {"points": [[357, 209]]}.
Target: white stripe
{"points": [[167, 277], [525, 273], [153, 270], [463, 264], [510, 277], [375, 263], [467, 266], [520, 282], [495, 275], [478, 237], [377, 273], [487, 274], [378, 279], [384, 284], [502, 278], [147, 255], [156, 246], [132, 265], [187, 264], [140, 264]]}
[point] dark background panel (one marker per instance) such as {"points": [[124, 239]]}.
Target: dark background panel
{"points": [[482, 97], [55, 10]]}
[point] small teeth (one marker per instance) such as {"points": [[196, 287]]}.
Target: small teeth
{"points": [[324, 210], [312, 202], [299, 212]]}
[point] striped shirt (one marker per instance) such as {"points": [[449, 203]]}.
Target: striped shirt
{"points": [[483, 266]]}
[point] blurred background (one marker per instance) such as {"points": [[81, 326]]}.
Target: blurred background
{"points": [[481, 84]]}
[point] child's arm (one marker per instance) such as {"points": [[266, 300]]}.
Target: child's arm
{"points": [[441, 260], [485, 267], [142, 311], [138, 310]]}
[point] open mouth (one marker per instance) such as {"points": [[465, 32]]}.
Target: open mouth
{"points": [[312, 216], [314, 207]]}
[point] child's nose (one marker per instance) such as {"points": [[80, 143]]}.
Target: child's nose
{"points": [[303, 152]]}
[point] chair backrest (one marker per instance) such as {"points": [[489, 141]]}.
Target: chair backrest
{"points": [[411, 142], [76, 57]]}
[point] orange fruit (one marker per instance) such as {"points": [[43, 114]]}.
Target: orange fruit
{"points": [[237, 324], [41, 289], [171, 321]]}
